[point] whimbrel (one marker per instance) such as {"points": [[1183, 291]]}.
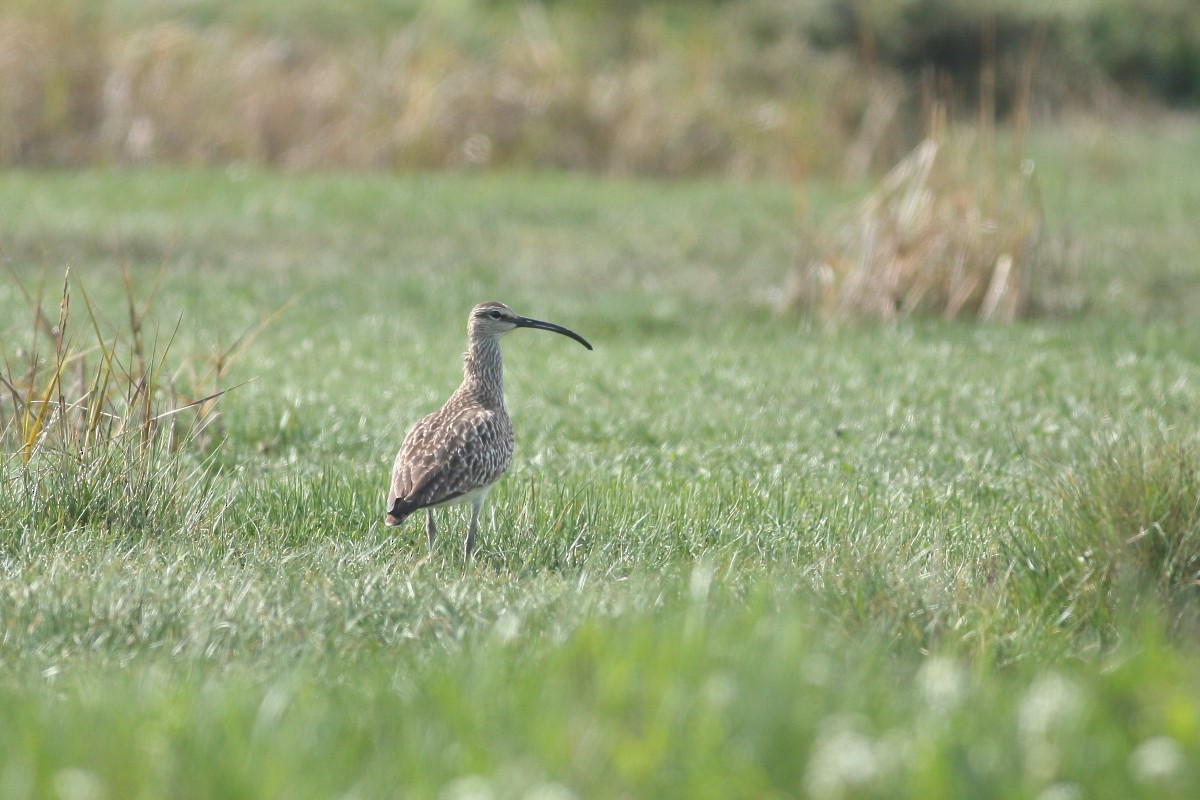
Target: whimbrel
{"points": [[455, 454]]}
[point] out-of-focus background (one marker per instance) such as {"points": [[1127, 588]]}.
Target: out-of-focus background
{"points": [[646, 87], [880, 482]]}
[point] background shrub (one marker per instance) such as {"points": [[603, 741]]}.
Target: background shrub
{"points": [[657, 88]]}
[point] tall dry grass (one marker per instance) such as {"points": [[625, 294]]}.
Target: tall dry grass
{"points": [[101, 425], [77, 382], [757, 86], [538, 86], [955, 229], [930, 239]]}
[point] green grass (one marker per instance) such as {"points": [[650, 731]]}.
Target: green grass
{"points": [[738, 554]]}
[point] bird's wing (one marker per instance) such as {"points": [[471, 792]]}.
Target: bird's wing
{"points": [[442, 458]]}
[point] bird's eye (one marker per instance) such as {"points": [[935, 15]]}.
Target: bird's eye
{"points": [[494, 315]]}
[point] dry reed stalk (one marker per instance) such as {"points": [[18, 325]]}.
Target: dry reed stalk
{"points": [[932, 238], [73, 390], [952, 231], [539, 93]]}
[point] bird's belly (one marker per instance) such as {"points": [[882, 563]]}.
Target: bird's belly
{"points": [[471, 497]]}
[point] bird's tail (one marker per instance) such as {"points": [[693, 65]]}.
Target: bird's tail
{"points": [[396, 515]]}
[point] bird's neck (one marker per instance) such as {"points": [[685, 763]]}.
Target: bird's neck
{"points": [[483, 371]]}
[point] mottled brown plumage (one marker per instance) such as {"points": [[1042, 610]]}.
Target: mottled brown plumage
{"points": [[455, 454]]}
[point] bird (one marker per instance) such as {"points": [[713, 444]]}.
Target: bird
{"points": [[455, 454]]}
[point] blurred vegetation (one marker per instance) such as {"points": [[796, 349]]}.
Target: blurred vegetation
{"points": [[662, 88], [1091, 46], [731, 549]]}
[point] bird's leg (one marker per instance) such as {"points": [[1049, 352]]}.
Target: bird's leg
{"points": [[476, 506], [430, 528]]}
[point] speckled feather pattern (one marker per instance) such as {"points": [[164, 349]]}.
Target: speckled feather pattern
{"points": [[464, 446], [456, 453]]}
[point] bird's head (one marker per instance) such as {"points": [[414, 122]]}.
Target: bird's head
{"points": [[493, 320]]}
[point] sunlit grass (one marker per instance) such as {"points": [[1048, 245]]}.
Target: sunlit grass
{"points": [[737, 555]]}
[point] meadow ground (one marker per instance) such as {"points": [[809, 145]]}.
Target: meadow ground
{"points": [[739, 554]]}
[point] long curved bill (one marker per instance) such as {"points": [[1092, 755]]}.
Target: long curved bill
{"points": [[526, 322]]}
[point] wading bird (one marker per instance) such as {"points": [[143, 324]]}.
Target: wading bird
{"points": [[455, 454]]}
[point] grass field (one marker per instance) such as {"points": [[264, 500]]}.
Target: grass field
{"points": [[738, 554]]}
